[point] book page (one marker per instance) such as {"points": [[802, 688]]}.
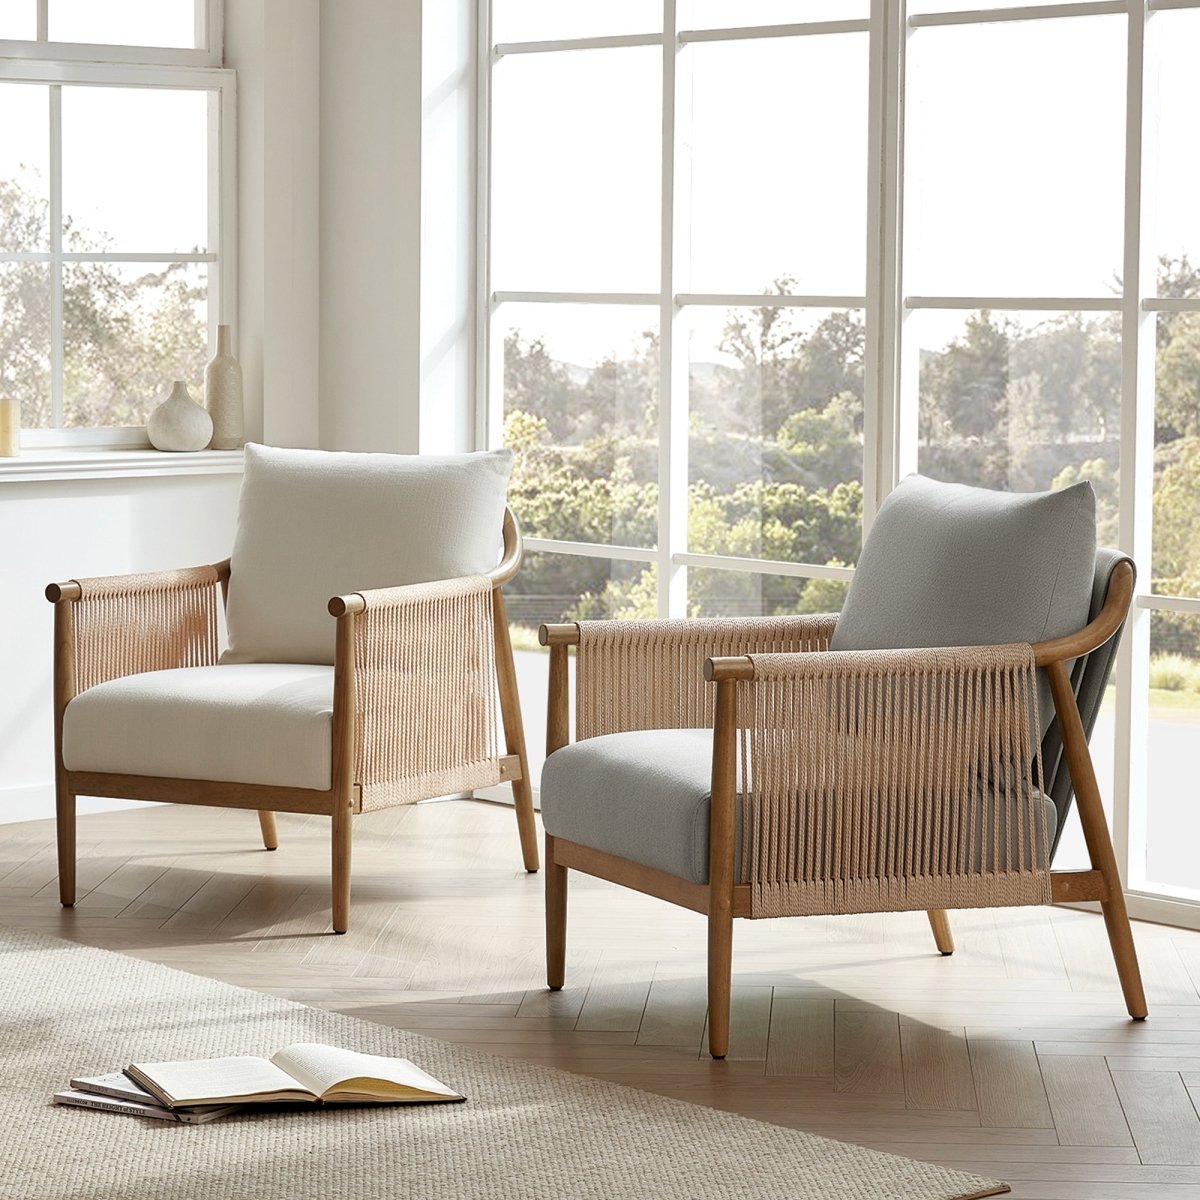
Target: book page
{"points": [[201, 1081], [322, 1068]]}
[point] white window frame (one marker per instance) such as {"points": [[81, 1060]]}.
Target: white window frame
{"points": [[671, 557], [55, 64], [208, 50], [890, 399]]}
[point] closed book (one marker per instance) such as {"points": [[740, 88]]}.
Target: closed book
{"points": [[131, 1108], [79, 1098]]}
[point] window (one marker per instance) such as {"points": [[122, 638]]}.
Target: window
{"points": [[116, 209], [757, 261], [670, 373]]}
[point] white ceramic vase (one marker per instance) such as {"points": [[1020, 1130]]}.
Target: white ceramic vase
{"points": [[179, 423], [223, 394]]}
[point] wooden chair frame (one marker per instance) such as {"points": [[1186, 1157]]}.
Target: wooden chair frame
{"points": [[344, 797], [721, 899]]}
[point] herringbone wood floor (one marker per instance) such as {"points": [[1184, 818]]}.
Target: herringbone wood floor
{"points": [[1013, 1058]]}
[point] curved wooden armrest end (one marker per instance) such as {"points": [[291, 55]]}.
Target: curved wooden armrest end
{"points": [[719, 670], [1094, 634], [558, 635], [514, 551], [56, 593], [339, 606]]}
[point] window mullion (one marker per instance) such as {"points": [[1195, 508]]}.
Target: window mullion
{"points": [[883, 249], [43, 20], [56, 261], [1138, 329], [672, 345]]}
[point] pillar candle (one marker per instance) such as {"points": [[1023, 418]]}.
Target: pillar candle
{"points": [[10, 427]]}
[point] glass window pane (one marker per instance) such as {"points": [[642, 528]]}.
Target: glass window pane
{"points": [[1176, 541], [1020, 401], [581, 415], [18, 19], [1173, 817], [129, 330], [1072, 852], [1016, 190], [25, 340], [725, 14], [776, 433], [24, 167], [1177, 211], [125, 22], [135, 169], [544, 20], [717, 593], [777, 175], [576, 171]]}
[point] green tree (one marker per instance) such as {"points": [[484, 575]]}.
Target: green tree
{"points": [[128, 331]]}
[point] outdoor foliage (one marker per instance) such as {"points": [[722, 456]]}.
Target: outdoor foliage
{"points": [[129, 328], [776, 444]]}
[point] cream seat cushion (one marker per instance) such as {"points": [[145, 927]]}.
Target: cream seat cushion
{"points": [[269, 723]]}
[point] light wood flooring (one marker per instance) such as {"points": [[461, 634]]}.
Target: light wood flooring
{"points": [[1013, 1058]]}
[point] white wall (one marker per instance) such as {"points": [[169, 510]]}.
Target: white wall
{"points": [[448, 249], [370, 224], [274, 47], [60, 530], [356, 225]]}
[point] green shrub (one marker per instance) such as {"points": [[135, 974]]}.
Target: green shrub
{"points": [[1174, 673]]}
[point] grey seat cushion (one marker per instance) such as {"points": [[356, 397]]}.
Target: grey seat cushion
{"points": [[950, 565], [643, 796]]}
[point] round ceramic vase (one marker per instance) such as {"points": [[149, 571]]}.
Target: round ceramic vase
{"points": [[179, 423]]}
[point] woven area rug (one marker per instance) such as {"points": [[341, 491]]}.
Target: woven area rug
{"points": [[525, 1131]]}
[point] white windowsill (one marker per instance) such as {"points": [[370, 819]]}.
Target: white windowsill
{"points": [[110, 462]]}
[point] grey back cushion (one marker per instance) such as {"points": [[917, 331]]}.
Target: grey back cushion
{"points": [[316, 523], [951, 565]]}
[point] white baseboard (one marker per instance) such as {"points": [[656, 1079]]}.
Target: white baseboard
{"points": [[36, 803], [502, 794]]}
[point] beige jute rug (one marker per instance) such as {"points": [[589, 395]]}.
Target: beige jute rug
{"points": [[525, 1131]]}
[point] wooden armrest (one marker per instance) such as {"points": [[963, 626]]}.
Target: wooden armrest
{"points": [[133, 585], [834, 664], [754, 628]]}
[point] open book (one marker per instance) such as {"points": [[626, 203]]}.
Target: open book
{"points": [[304, 1073]]}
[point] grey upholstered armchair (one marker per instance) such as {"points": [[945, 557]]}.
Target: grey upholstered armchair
{"points": [[893, 757]]}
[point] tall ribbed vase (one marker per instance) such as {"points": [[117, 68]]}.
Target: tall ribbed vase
{"points": [[223, 394]]}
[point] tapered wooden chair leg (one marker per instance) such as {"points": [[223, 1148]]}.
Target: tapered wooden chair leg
{"points": [[1099, 844], [720, 981], [556, 920], [342, 825], [939, 922], [514, 731], [270, 835], [64, 827]]}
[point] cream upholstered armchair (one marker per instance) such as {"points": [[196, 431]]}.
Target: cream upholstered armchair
{"points": [[387, 693], [917, 751]]}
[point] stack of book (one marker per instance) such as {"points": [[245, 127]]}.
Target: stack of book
{"points": [[196, 1091], [118, 1093]]}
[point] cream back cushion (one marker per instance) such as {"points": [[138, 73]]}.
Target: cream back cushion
{"points": [[315, 523]]}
